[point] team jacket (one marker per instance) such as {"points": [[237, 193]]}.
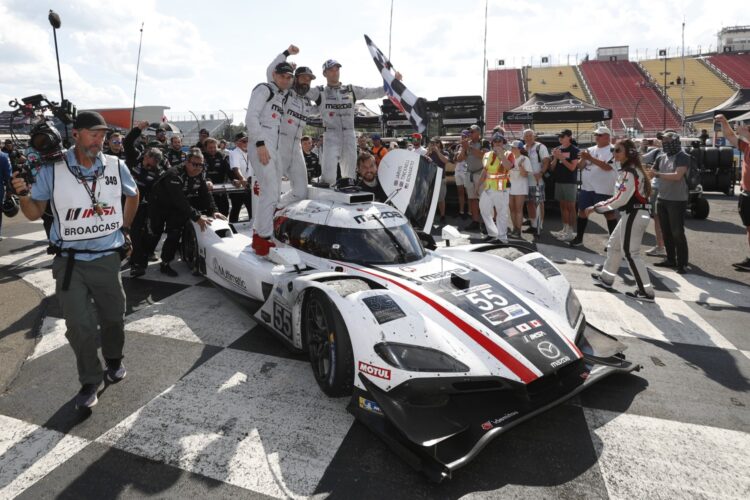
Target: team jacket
{"points": [[264, 114], [630, 193], [176, 158], [336, 104], [176, 190], [145, 179], [217, 167]]}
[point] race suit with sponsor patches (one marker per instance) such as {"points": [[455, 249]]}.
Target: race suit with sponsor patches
{"points": [[264, 115], [336, 106]]}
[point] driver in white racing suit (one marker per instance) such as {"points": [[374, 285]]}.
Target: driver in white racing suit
{"points": [[297, 109], [336, 103], [264, 114]]}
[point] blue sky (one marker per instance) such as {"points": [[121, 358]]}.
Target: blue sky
{"points": [[206, 56]]}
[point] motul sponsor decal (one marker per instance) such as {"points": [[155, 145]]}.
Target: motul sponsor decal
{"points": [[375, 371]]}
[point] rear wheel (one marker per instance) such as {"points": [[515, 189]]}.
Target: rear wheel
{"points": [[700, 208], [328, 344]]}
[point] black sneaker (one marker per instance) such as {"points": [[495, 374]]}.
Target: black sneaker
{"points": [[529, 230], [87, 396], [165, 268], [115, 373], [665, 263], [576, 242], [743, 265], [153, 258], [598, 281], [682, 270], [474, 226], [640, 296], [526, 222], [136, 271]]}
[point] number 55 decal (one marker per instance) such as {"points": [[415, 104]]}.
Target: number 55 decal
{"points": [[488, 301], [282, 319]]}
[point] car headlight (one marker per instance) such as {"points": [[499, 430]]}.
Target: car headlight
{"points": [[573, 308], [415, 358]]}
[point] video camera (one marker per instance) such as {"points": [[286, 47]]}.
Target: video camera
{"points": [[45, 143]]}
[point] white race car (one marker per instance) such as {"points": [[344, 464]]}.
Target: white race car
{"points": [[440, 348]]}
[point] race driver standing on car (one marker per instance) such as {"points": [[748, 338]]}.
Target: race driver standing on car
{"points": [[336, 103], [264, 115], [296, 110]]}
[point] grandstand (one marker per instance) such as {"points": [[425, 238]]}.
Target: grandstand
{"points": [[556, 79], [191, 128], [735, 66], [504, 92], [703, 89], [621, 86]]}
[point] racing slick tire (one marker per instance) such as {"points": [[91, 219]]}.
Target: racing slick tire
{"points": [[700, 208], [189, 246], [328, 344]]}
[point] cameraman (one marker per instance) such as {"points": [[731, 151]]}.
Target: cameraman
{"points": [[88, 231], [5, 175]]}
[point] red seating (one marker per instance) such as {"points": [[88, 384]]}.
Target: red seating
{"points": [[503, 94], [619, 85], [735, 66]]}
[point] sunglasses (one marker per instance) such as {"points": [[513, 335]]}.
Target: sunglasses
{"points": [[196, 164], [116, 142]]}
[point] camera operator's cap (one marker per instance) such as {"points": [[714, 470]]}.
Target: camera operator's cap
{"points": [[330, 64], [375, 137], [304, 70], [90, 120], [602, 131], [240, 136], [565, 133], [284, 68]]}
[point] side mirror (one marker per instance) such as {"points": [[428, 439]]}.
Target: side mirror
{"points": [[450, 234]]}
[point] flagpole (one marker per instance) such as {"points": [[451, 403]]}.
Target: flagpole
{"points": [[137, 68], [390, 30], [484, 64]]}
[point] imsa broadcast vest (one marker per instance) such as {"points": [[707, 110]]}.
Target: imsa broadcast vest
{"points": [[496, 180], [77, 219]]}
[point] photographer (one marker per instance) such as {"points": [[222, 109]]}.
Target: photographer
{"points": [[5, 175], [89, 230]]}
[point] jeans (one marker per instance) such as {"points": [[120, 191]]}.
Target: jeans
{"points": [[672, 219]]}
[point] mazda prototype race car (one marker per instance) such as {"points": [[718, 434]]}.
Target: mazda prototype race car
{"points": [[441, 348]]}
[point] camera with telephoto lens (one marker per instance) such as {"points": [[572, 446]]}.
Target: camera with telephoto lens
{"points": [[45, 142]]}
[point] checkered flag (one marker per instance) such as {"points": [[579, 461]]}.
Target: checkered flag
{"points": [[413, 107]]}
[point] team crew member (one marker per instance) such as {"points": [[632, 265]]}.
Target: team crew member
{"points": [[217, 172], [264, 114], [367, 170], [242, 172], [494, 180], [175, 155], [378, 148], [564, 165], [519, 185], [632, 192], [741, 140], [540, 159], [202, 136], [145, 174], [89, 230], [336, 103], [312, 162], [179, 195], [670, 168], [114, 146], [296, 110], [598, 175]]}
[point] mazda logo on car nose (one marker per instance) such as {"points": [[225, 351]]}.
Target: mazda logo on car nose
{"points": [[548, 350]]}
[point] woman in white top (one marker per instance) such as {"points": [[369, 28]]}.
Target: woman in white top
{"points": [[519, 185]]}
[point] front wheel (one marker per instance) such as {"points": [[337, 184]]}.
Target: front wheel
{"points": [[700, 208], [328, 345]]}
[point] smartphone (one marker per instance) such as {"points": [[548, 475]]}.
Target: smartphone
{"points": [[717, 126]]}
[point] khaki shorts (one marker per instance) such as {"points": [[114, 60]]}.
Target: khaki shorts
{"points": [[472, 192], [565, 192]]}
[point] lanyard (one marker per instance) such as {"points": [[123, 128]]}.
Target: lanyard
{"points": [[89, 190]]}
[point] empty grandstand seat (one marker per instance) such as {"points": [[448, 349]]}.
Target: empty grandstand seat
{"points": [[735, 66], [503, 94]]}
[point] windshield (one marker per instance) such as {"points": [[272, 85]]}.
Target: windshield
{"points": [[394, 245]]}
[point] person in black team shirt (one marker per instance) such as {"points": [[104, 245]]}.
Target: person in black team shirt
{"points": [[367, 172], [202, 136], [145, 174], [114, 146], [218, 171], [312, 162], [564, 166], [179, 195], [176, 156]]}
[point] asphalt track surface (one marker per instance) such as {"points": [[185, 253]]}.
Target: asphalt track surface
{"points": [[215, 407]]}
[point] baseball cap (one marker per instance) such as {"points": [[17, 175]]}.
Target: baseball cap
{"points": [[416, 136], [375, 137], [203, 131], [330, 64], [602, 131], [498, 138], [465, 131], [284, 68], [90, 120], [240, 136], [475, 127], [304, 70], [520, 145], [565, 132]]}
